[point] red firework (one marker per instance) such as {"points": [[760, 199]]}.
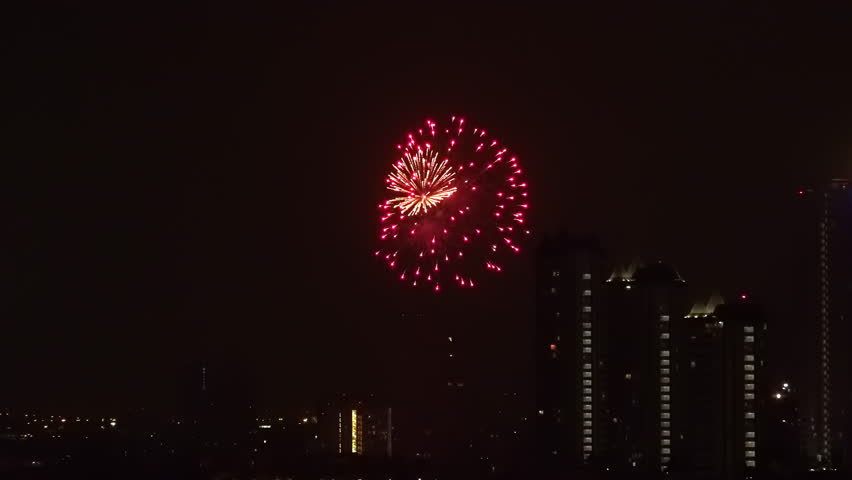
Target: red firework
{"points": [[456, 208]]}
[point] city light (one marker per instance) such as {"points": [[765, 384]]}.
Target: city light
{"points": [[354, 431]]}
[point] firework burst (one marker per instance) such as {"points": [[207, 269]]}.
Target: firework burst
{"points": [[457, 207]]}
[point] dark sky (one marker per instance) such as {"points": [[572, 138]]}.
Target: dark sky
{"points": [[199, 181]]}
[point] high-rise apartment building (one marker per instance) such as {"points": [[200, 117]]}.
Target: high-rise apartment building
{"points": [[569, 354], [823, 272]]}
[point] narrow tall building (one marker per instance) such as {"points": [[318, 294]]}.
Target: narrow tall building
{"points": [[823, 275], [569, 355]]}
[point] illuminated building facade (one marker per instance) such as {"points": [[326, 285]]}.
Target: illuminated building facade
{"points": [[660, 305], [823, 271], [569, 354], [362, 430]]}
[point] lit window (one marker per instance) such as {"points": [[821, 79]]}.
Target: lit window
{"points": [[587, 399], [587, 309], [552, 289], [628, 376], [665, 379], [664, 353], [587, 431], [587, 293], [664, 335], [749, 415], [587, 390], [665, 388], [666, 424], [587, 366], [587, 423], [587, 325], [749, 358], [665, 362], [750, 463], [587, 415], [665, 397], [664, 371], [664, 318], [555, 273], [665, 459], [587, 349], [587, 407], [748, 329], [667, 433], [666, 441], [587, 341], [587, 448], [587, 333], [748, 367], [749, 339], [666, 406], [666, 451], [665, 415], [749, 434], [749, 444], [587, 276], [749, 377], [587, 383], [749, 386], [749, 396], [749, 453], [587, 374], [587, 439]]}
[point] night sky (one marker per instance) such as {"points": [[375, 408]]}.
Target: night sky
{"points": [[200, 181]]}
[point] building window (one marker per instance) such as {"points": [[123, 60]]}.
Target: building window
{"points": [[664, 318], [666, 424], [587, 431], [587, 423], [749, 444], [749, 386], [587, 374], [749, 434], [664, 353], [587, 448], [667, 433], [666, 406], [587, 383], [587, 366], [748, 329], [587, 349], [587, 325], [664, 371], [587, 333], [665, 388], [749, 396], [749, 358], [587, 399], [750, 463], [587, 391], [587, 341], [666, 441], [749, 377], [749, 453], [587, 309], [665, 379], [587, 293], [665, 459], [587, 439], [665, 415], [665, 397], [749, 415], [587, 276], [749, 367], [666, 451], [665, 362], [587, 407], [555, 273], [749, 339], [587, 415], [664, 335]]}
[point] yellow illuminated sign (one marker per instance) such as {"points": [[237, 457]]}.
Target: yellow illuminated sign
{"points": [[354, 431]]}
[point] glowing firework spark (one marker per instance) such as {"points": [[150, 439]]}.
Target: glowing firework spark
{"points": [[423, 179], [458, 206]]}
